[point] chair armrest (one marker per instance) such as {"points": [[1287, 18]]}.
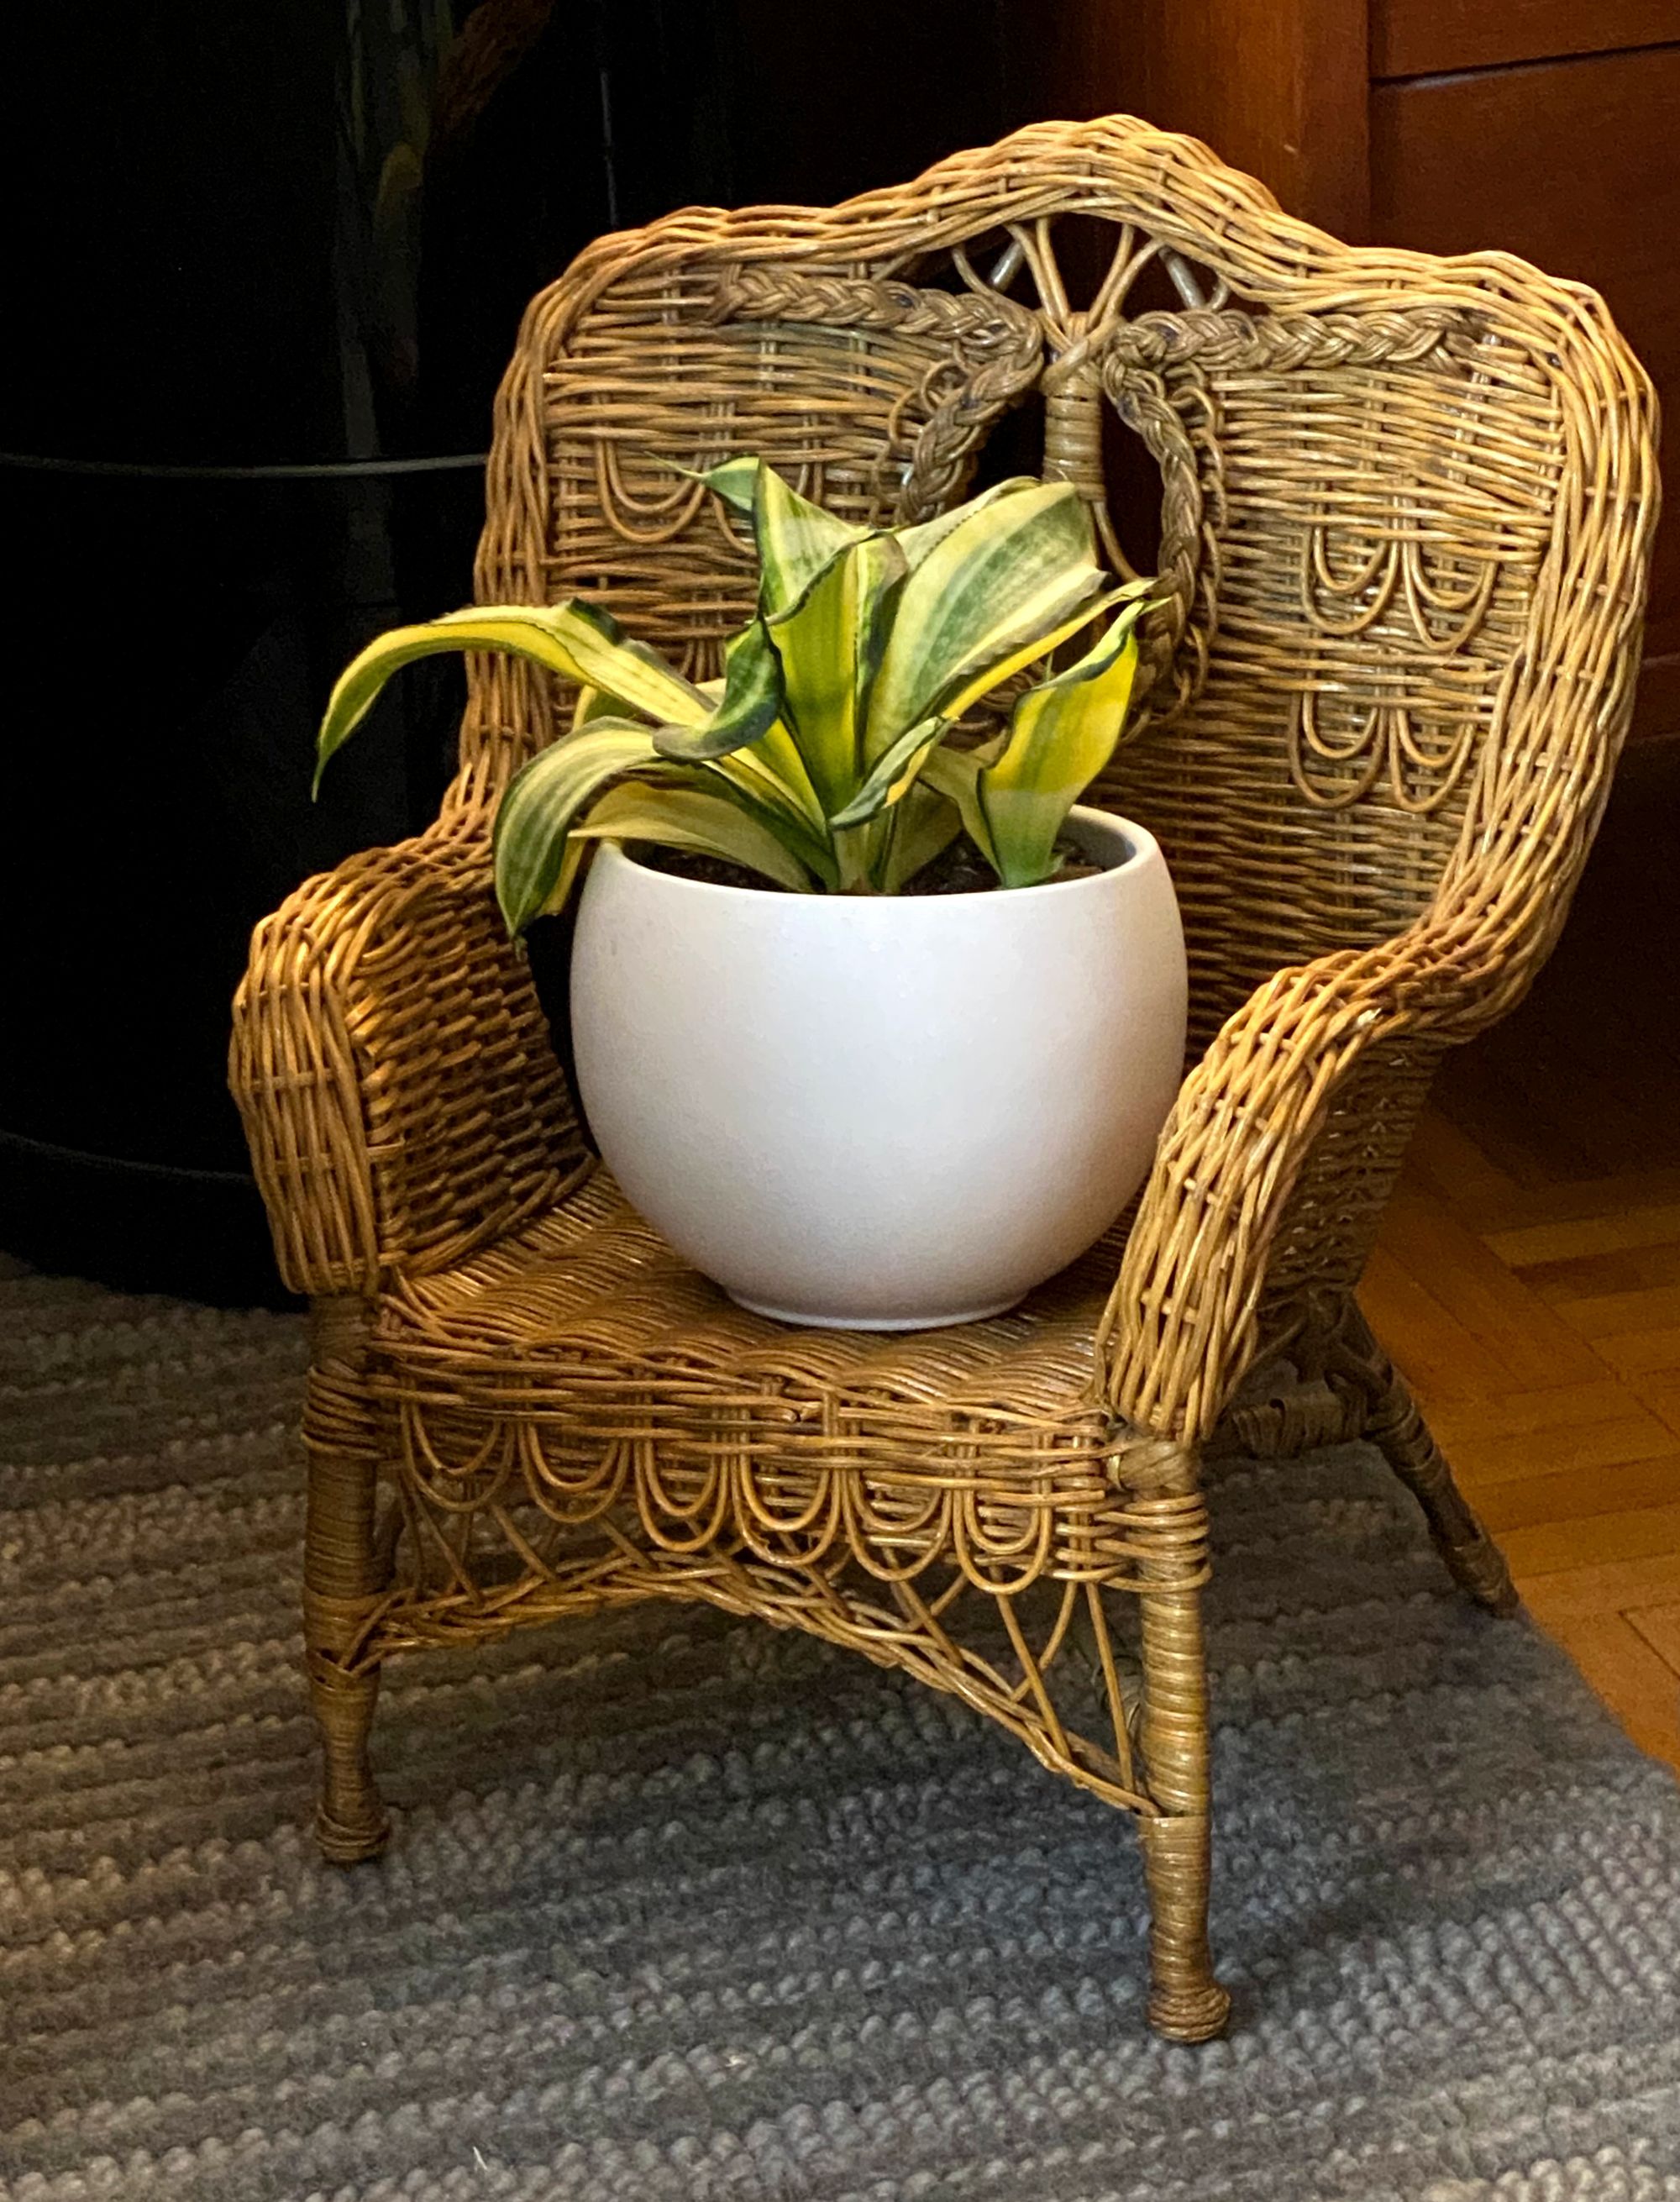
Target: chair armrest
{"points": [[403, 1104], [1181, 1324]]}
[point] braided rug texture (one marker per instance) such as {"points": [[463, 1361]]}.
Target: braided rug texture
{"points": [[679, 1909]]}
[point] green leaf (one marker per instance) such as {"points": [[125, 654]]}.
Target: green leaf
{"points": [[1029, 650], [988, 595], [892, 774], [579, 641], [797, 540], [689, 818], [956, 774], [763, 796], [919, 828], [830, 646], [736, 481], [917, 540], [1061, 734], [541, 805], [748, 707], [775, 755]]}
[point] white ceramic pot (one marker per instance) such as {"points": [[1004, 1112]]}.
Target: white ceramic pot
{"points": [[881, 1113]]}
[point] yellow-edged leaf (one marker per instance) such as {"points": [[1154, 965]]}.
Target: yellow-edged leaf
{"points": [[542, 805], [990, 594], [797, 540], [830, 645], [576, 640], [1061, 734], [891, 775], [689, 818]]}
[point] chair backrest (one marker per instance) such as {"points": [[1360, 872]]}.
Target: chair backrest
{"points": [[1404, 511]]}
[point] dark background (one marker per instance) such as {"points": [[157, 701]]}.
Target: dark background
{"points": [[263, 265], [263, 268]]}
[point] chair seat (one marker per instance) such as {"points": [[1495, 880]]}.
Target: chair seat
{"points": [[591, 1328]]}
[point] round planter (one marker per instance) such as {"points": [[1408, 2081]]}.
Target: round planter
{"points": [[881, 1113]]}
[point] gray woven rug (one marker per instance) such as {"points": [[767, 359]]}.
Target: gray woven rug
{"points": [[681, 1908]]}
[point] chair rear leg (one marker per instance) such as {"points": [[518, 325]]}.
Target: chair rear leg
{"points": [[1396, 1425], [343, 1576], [1186, 2002]]}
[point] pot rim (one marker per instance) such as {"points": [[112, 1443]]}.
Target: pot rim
{"points": [[1141, 847]]}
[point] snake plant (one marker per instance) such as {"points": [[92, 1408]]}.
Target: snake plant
{"points": [[818, 760]]}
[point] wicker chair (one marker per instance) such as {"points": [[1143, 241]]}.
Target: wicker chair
{"points": [[1405, 520]]}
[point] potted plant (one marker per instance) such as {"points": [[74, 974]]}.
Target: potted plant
{"points": [[876, 1028]]}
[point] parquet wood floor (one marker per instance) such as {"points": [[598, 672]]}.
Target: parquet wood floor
{"points": [[1528, 1277]]}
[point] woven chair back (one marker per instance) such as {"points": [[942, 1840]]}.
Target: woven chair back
{"points": [[1366, 464]]}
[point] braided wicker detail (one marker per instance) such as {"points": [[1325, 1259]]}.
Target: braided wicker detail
{"points": [[1223, 342], [1179, 634], [1408, 506], [993, 351]]}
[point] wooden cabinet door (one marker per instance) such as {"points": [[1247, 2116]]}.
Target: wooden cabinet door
{"points": [[1572, 164]]}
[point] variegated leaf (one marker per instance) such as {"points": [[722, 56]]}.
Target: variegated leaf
{"points": [[748, 707], [797, 540], [689, 818], [893, 772], [830, 646], [543, 804], [1007, 576], [576, 640], [1061, 734], [919, 829]]}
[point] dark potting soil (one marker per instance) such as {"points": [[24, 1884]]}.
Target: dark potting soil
{"points": [[958, 869]]}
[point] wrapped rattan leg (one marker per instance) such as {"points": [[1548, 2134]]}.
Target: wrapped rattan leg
{"points": [[344, 1575], [350, 1821], [1396, 1425], [1186, 2003]]}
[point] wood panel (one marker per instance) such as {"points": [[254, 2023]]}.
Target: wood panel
{"points": [[1425, 37], [1277, 89], [1571, 164]]}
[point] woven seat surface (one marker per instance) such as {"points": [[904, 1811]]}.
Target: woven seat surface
{"points": [[561, 1322]]}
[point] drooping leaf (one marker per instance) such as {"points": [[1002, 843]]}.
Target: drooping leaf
{"points": [[771, 764], [830, 646], [1061, 734], [689, 818], [1008, 574], [748, 706], [543, 804], [576, 640], [919, 829]]}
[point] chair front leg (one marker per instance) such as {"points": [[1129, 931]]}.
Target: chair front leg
{"points": [[1168, 1518], [343, 1576]]}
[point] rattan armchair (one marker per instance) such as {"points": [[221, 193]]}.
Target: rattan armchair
{"points": [[1406, 510]]}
